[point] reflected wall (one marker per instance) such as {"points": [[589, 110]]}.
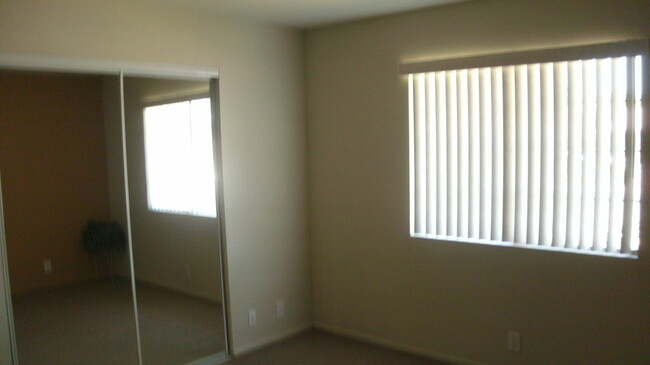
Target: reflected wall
{"points": [[53, 159]]}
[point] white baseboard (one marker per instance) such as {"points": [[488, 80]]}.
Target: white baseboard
{"points": [[395, 345], [277, 337]]}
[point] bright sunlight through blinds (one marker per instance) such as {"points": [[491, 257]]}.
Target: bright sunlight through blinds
{"points": [[542, 155], [179, 158]]}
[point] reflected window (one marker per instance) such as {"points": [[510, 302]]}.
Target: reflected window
{"points": [[179, 158]]}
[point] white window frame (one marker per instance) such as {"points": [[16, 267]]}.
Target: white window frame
{"points": [[421, 205]]}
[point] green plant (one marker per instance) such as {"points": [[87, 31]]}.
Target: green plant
{"points": [[104, 238]]}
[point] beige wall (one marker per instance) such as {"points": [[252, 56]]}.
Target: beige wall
{"points": [[261, 78], [455, 300], [53, 160]]}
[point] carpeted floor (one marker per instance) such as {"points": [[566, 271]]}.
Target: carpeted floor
{"points": [[93, 323], [175, 329], [319, 348]]}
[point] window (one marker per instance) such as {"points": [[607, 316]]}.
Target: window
{"points": [[539, 149], [179, 158]]}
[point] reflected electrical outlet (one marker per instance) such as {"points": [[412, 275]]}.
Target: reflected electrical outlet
{"points": [[47, 266], [252, 317], [279, 308]]}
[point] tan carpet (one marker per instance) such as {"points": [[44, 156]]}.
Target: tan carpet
{"points": [[93, 323], [175, 329], [319, 348]]}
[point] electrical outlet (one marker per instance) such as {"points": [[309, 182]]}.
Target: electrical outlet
{"points": [[252, 317], [279, 308], [514, 341], [47, 266]]}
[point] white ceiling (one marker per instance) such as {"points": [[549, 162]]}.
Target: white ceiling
{"points": [[308, 13]]}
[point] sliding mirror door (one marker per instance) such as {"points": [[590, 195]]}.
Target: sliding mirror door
{"points": [[60, 142], [173, 210]]}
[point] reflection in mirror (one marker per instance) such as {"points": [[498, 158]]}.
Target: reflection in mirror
{"points": [[173, 219], [59, 135]]}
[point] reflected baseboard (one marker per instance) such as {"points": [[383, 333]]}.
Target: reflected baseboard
{"points": [[180, 290], [215, 359], [70, 284]]}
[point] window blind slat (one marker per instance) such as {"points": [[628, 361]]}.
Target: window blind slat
{"points": [[432, 167], [485, 125], [630, 154], [463, 157], [411, 96], [420, 156], [575, 153], [560, 154], [497, 154], [588, 191], [452, 155], [534, 154], [474, 196], [617, 152], [509, 161], [547, 153], [443, 163], [521, 154], [603, 128], [639, 63]]}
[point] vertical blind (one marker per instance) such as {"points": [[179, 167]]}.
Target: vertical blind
{"points": [[542, 154], [179, 158]]}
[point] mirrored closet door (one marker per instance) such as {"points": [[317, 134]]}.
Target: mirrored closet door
{"points": [[72, 299], [170, 157], [113, 248]]}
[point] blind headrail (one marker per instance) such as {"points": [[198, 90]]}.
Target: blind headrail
{"points": [[602, 50]]}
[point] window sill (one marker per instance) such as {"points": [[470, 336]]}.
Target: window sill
{"points": [[525, 246]]}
